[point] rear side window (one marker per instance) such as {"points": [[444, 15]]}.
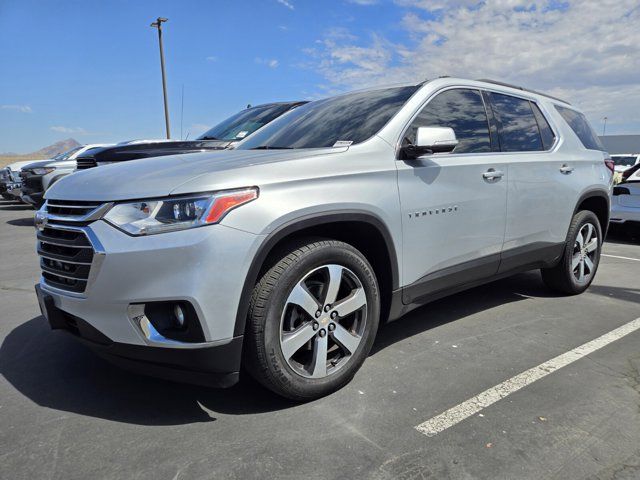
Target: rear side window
{"points": [[578, 123], [460, 109], [547, 135], [517, 124]]}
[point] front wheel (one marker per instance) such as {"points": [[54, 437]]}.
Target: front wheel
{"points": [[577, 267], [312, 320]]}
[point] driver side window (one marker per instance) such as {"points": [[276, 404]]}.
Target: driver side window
{"points": [[461, 109]]}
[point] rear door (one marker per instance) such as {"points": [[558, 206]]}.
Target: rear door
{"points": [[540, 197], [453, 204]]}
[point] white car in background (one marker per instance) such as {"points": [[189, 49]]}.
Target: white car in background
{"points": [[625, 203]]}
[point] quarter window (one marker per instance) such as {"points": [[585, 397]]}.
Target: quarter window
{"points": [[518, 127], [581, 128], [461, 109]]}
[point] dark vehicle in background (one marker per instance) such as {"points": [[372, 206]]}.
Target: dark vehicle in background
{"points": [[37, 177], [224, 135]]}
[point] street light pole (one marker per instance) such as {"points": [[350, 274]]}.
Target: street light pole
{"points": [[604, 127], [158, 24]]}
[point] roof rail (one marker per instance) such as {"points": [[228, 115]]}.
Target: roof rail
{"points": [[503, 84]]}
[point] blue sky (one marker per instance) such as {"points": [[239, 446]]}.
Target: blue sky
{"points": [[90, 70]]}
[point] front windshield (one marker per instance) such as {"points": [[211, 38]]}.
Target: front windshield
{"points": [[626, 161], [336, 121], [244, 123], [65, 155]]}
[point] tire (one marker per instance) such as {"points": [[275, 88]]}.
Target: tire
{"points": [[334, 342], [577, 268]]}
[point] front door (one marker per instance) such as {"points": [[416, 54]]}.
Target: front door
{"points": [[453, 204]]}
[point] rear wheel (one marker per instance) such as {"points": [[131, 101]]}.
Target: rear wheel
{"points": [[577, 267], [312, 320]]}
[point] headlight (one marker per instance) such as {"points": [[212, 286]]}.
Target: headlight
{"points": [[43, 171], [148, 217]]}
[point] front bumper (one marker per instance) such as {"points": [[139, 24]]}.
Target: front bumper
{"points": [[205, 267], [213, 366]]}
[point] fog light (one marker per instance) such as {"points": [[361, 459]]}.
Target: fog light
{"points": [[178, 313]]}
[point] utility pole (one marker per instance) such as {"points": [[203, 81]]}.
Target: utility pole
{"points": [[158, 24], [604, 127]]}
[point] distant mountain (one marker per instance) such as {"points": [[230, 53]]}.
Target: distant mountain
{"points": [[43, 153], [56, 148]]}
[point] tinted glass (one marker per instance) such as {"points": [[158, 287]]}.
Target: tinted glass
{"points": [[64, 155], [353, 117], [519, 130], [546, 133], [460, 109], [581, 128], [244, 123]]}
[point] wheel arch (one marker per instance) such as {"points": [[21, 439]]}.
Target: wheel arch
{"points": [[362, 229], [598, 202]]}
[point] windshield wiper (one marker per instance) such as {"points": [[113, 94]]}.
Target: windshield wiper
{"points": [[209, 138], [270, 147]]}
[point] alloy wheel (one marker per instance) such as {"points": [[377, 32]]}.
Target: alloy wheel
{"points": [[323, 321], [585, 251]]}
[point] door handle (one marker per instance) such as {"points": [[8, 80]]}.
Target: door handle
{"points": [[566, 169], [492, 174]]}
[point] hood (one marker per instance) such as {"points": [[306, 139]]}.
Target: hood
{"points": [[162, 176], [40, 163], [152, 148], [17, 166]]}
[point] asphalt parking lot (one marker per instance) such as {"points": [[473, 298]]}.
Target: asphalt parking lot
{"points": [[65, 413]]}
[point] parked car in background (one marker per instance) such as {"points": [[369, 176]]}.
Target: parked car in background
{"points": [[625, 161], [286, 253], [10, 181], [223, 136], [37, 177], [630, 171], [625, 203]]}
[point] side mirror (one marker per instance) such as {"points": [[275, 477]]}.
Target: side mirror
{"points": [[431, 140]]}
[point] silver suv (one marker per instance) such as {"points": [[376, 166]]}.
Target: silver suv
{"points": [[285, 255]]}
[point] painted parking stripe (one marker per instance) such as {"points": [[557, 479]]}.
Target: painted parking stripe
{"points": [[623, 258], [474, 405]]}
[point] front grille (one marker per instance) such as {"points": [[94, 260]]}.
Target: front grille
{"points": [[71, 208], [84, 163], [32, 182], [66, 256]]}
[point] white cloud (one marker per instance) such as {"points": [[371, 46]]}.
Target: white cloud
{"points": [[17, 108], [76, 130], [586, 52], [212, 59], [287, 4], [364, 2], [269, 62]]}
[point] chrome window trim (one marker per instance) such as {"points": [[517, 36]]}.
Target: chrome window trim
{"points": [[530, 98]]}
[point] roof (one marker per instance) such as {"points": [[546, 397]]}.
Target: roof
{"points": [[616, 144]]}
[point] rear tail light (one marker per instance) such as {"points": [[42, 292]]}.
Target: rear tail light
{"points": [[610, 165]]}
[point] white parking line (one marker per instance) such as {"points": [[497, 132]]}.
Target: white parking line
{"points": [[474, 405], [623, 258]]}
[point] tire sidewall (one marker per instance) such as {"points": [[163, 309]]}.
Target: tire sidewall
{"points": [[582, 218], [288, 378]]}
